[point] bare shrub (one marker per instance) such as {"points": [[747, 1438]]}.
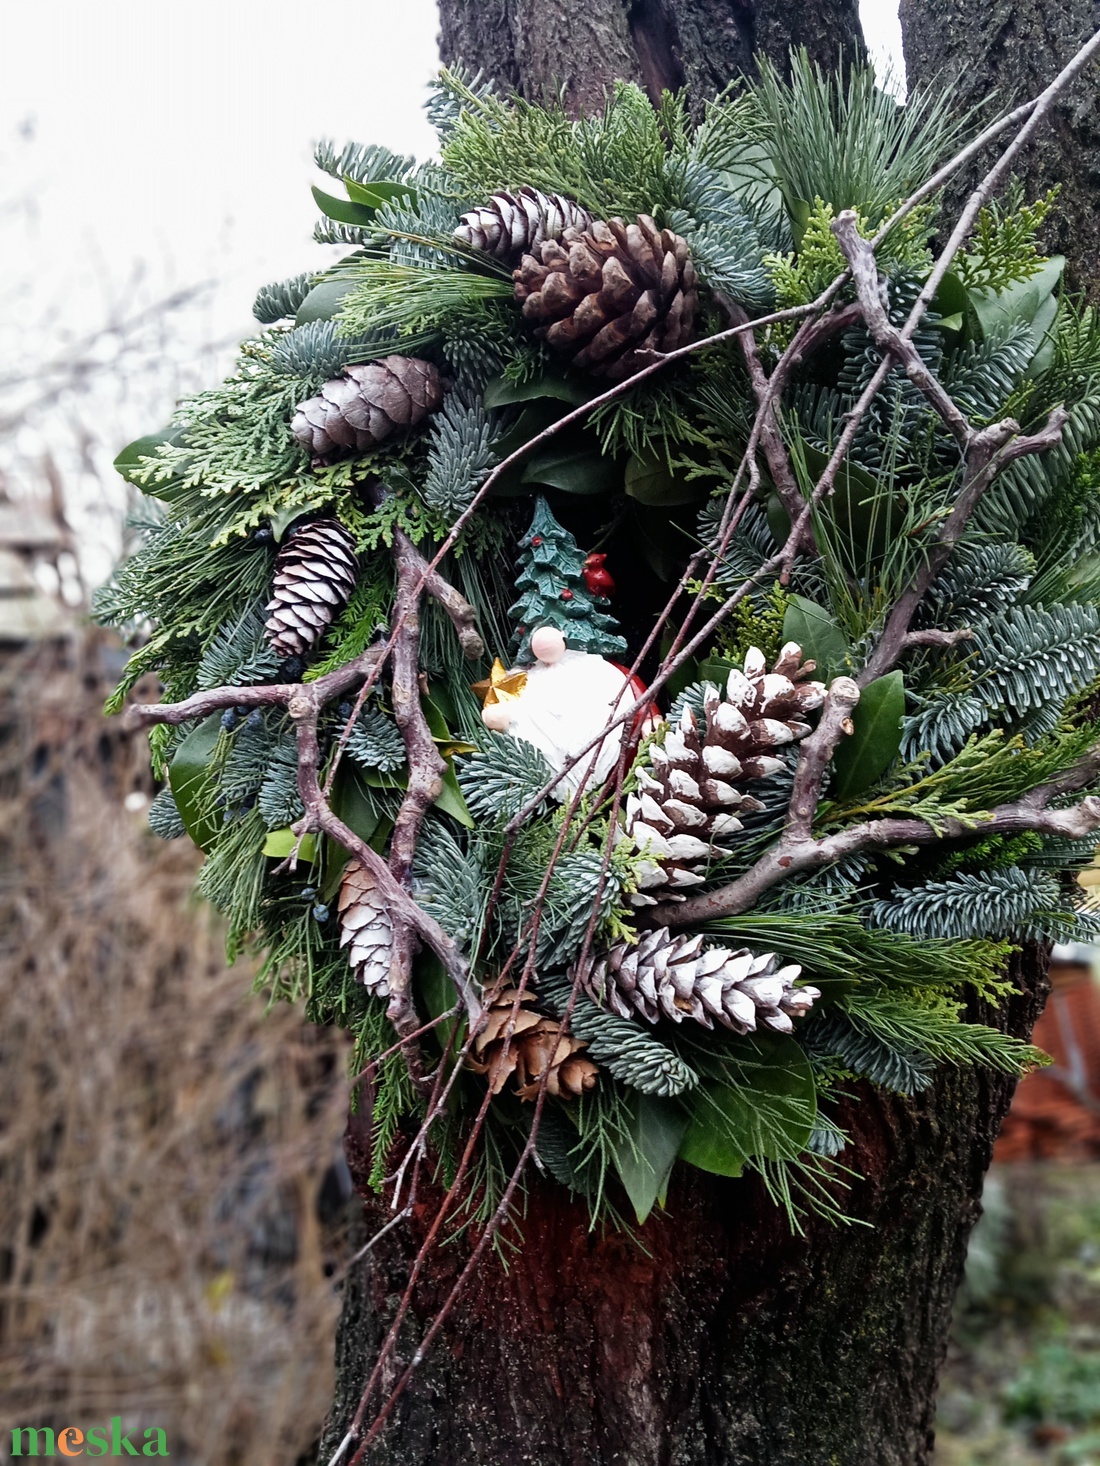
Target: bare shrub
{"points": [[163, 1139]]}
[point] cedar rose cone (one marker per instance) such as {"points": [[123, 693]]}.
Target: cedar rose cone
{"points": [[608, 295], [537, 1044]]}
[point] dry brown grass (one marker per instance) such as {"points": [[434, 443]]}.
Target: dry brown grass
{"points": [[162, 1138]]}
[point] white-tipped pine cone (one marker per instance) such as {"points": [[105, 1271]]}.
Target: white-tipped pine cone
{"points": [[690, 798], [315, 572], [609, 294], [366, 404], [366, 929], [512, 224], [666, 976]]}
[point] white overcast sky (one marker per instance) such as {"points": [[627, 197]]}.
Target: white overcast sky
{"points": [[176, 138]]}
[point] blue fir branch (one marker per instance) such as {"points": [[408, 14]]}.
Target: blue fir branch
{"points": [[627, 1051], [164, 817], [502, 777], [238, 655], [362, 162], [898, 1067], [375, 742], [460, 455], [992, 903], [278, 801], [282, 299], [449, 883]]}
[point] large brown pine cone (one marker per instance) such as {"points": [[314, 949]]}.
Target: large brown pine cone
{"points": [[366, 404], [608, 294], [537, 1043], [511, 224], [689, 799], [315, 572], [366, 929], [666, 976]]}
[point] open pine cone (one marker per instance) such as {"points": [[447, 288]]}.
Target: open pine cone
{"points": [[366, 929], [315, 573], [366, 404], [607, 294], [666, 976], [537, 1044], [511, 224], [690, 797]]}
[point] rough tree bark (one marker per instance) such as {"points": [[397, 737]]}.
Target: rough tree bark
{"points": [[535, 48], [1012, 47], [722, 1340]]}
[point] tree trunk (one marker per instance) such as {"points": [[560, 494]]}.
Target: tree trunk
{"points": [[536, 49], [720, 1340], [1015, 47]]}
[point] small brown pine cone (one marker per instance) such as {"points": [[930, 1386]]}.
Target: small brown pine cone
{"points": [[537, 1044], [666, 976], [365, 929], [608, 295], [697, 785], [315, 574], [512, 224], [366, 404]]}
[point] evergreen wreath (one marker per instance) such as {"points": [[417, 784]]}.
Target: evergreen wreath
{"points": [[850, 496]]}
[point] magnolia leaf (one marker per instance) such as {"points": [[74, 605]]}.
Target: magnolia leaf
{"points": [[502, 393], [281, 843], [435, 994], [866, 516], [353, 804], [766, 1110], [654, 483], [324, 301], [644, 1160], [997, 311], [189, 782], [815, 631], [378, 192], [951, 303], [863, 758], [342, 210], [574, 471]]}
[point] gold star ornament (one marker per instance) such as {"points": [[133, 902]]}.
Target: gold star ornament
{"points": [[500, 685]]}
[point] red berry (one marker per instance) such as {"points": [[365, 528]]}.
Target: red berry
{"points": [[567, 595], [536, 541]]}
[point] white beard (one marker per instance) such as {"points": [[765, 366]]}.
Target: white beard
{"points": [[563, 706]]}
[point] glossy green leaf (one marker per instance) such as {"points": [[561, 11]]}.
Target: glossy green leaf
{"points": [[951, 303], [574, 471], [766, 1109], [998, 311], [435, 995], [653, 483], [645, 1161], [280, 843], [450, 799], [716, 670], [502, 393], [352, 803], [283, 518], [324, 301], [815, 631], [342, 210], [1042, 331], [866, 516], [190, 784], [380, 191], [864, 757], [656, 538]]}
